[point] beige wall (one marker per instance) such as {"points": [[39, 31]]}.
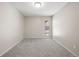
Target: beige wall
{"points": [[66, 27], [11, 27], [34, 27]]}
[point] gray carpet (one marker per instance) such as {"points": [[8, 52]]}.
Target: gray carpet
{"points": [[38, 48]]}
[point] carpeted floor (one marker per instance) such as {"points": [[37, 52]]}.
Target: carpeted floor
{"points": [[38, 48]]}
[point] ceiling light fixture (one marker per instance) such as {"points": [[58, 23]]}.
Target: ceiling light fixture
{"points": [[37, 4]]}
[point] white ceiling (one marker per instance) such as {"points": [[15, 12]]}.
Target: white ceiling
{"points": [[48, 8]]}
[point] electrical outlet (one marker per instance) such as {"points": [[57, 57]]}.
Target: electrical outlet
{"points": [[74, 46]]}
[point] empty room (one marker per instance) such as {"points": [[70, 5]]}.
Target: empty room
{"points": [[39, 29]]}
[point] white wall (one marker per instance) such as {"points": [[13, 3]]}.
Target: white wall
{"points": [[66, 27], [34, 27], [11, 27]]}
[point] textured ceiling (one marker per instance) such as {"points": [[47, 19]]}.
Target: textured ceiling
{"points": [[48, 8]]}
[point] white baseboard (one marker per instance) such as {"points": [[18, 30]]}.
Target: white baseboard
{"points": [[37, 38], [11, 47], [66, 48]]}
